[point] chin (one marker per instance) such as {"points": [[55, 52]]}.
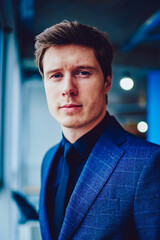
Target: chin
{"points": [[72, 123]]}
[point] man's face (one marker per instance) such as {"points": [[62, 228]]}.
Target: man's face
{"points": [[75, 86]]}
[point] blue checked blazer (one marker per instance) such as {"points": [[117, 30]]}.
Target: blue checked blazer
{"points": [[117, 196]]}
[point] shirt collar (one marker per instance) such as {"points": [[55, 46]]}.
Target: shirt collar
{"points": [[85, 144]]}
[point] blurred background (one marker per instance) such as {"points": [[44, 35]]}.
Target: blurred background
{"points": [[26, 128]]}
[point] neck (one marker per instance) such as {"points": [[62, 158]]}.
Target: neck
{"points": [[73, 134]]}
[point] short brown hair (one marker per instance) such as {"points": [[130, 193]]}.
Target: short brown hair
{"points": [[67, 32]]}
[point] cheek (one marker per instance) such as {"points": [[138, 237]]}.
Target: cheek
{"points": [[92, 92], [50, 90], [51, 96]]}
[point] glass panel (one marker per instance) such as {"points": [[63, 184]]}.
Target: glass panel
{"points": [[1, 104]]}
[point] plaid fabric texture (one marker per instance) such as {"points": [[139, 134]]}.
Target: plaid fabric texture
{"points": [[117, 196]]}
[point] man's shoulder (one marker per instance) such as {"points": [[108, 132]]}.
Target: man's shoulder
{"points": [[118, 135], [49, 155], [139, 146], [52, 150], [133, 139]]}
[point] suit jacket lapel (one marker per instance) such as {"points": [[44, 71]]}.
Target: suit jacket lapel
{"points": [[97, 170], [43, 202]]}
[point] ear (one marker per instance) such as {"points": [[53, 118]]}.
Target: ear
{"points": [[108, 83]]}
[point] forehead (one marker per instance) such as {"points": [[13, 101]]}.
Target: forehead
{"points": [[68, 54]]}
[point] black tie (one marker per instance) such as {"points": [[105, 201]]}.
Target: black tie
{"points": [[61, 198]]}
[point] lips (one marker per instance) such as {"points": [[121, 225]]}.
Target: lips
{"points": [[71, 107]]}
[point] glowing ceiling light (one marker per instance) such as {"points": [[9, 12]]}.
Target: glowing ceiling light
{"points": [[126, 83], [142, 127]]}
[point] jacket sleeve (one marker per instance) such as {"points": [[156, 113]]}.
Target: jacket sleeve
{"points": [[147, 199]]}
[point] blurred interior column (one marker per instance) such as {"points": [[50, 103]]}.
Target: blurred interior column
{"points": [[153, 107]]}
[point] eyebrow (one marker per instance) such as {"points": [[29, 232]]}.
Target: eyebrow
{"points": [[83, 66], [52, 71], [77, 67]]}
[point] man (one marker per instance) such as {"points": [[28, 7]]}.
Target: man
{"points": [[108, 185]]}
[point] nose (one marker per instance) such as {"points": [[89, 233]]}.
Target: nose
{"points": [[69, 87]]}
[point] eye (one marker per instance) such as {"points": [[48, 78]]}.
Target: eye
{"points": [[83, 73], [56, 76]]}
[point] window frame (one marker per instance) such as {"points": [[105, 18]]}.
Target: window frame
{"points": [[1, 101]]}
